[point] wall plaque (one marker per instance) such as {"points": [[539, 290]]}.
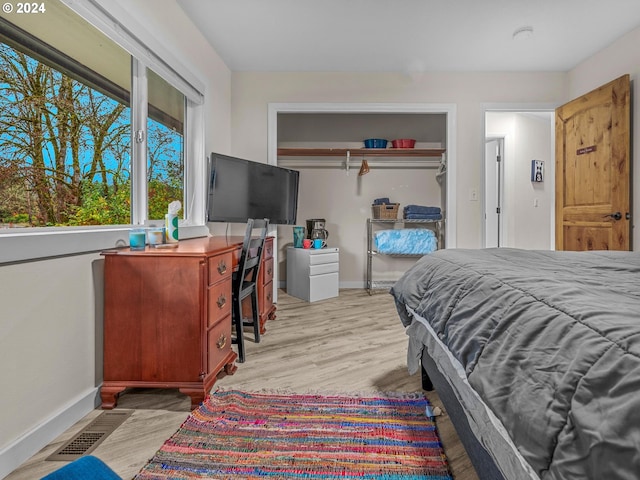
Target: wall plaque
{"points": [[582, 151], [537, 171]]}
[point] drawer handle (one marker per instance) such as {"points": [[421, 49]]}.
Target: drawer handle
{"points": [[222, 341], [269, 296], [269, 271], [222, 300], [222, 267]]}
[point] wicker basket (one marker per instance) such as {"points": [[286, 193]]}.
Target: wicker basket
{"points": [[383, 211]]}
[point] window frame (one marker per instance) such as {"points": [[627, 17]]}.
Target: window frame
{"points": [[36, 243]]}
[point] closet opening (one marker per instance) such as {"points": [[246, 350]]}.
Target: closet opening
{"points": [[325, 142]]}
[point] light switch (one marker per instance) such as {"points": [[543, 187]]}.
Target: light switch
{"points": [[473, 194]]}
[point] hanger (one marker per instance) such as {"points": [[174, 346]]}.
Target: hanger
{"points": [[364, 168]]}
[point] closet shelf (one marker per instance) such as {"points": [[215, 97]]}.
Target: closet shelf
{"points": [[383, 157], [370, 152], [355, 163]]}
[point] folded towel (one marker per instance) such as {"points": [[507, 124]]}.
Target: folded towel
{"points": [[421, 209], [408, 241], [381, 201], [423, 216]]}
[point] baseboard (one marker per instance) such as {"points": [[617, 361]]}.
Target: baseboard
{"points": [[283, 284], [32, 442], [352, 285]]}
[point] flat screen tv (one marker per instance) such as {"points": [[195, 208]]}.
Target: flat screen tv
{"points": [[241, 189]]}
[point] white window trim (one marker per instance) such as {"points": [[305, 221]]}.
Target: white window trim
{"points": [[27, 244], [52, 242], [139, 112]]}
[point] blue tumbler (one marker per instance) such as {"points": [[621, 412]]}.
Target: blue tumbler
{"points": [[298, 236]]}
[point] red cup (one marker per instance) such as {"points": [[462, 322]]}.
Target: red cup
{"points": [[306, 243]]}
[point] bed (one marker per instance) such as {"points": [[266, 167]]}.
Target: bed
{"points": [[535, 354]]}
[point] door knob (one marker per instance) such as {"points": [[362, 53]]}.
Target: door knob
{"points": [[615, 215]]}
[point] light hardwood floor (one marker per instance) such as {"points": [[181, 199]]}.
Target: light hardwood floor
{"points": [[347, 344]]}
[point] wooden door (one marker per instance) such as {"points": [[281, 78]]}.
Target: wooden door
{"points": [[592, 170]]}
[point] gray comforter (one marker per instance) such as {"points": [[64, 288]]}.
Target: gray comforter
{"points": [[551, 343]]}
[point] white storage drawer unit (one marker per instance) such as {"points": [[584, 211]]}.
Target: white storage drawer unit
{"points": [[312, 274]]}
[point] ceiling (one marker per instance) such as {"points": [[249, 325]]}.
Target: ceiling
{"points": [[409, 36]]}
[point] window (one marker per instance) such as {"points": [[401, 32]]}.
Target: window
{"points": [[68, 103], [165, 145]]}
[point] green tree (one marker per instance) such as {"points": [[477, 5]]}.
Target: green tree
{"points": [[65, 150], [49, 125], [165, 168]]}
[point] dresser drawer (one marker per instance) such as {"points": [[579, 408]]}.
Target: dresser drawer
{"points": [[219, 298], [323, 286], [265, 301], [320, 258], [266, 271], [268, 248], [220, 267], [218, 344], [323, 268]]}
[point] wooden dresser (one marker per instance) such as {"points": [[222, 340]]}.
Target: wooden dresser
{"points": [[167, 317], [266, 308]]}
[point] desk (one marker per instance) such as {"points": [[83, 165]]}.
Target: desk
{"points": [[167, 317]]}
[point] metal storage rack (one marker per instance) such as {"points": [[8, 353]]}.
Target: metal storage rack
{"points": [[436, 225]]}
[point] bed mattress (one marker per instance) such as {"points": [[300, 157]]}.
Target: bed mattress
{"points": [[485, 426], [549, 341]]}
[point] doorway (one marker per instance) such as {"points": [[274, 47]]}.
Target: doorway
{"points": [[519, 207]]}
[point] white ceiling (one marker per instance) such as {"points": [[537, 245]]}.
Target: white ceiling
{"points": [[409, 36]]}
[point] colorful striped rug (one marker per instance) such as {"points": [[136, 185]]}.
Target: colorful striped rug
{"points": [[236, 434]]}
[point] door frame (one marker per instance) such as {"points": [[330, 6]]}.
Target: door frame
{"points": [[443, 108], [549, 171], [497, 172]]}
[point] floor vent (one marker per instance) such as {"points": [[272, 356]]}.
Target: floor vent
{"points": [[87, 439]]}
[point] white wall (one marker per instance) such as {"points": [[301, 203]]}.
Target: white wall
{"points": [[50, 335], [620, 58], [252, 92], [530, 222]]}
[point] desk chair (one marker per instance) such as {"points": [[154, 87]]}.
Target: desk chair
{"points": [[245, 281]]}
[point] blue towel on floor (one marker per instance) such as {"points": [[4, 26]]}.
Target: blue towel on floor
{"points": [[84, 468], [421, 210]]}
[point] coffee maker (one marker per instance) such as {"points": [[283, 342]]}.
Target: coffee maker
{"points": [[315, 229]]}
